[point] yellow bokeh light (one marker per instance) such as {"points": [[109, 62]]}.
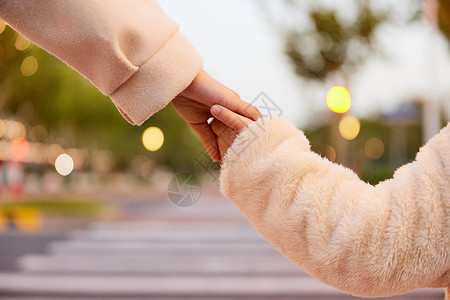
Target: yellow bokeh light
{"points": [[64, 164], [329, 152], [2, 25], [29, 66], [338, 99], [22, 43], [28, 220], [12, 129], [374, 148], [3, 221], [21, 130], [349, 127], [153, 138]]}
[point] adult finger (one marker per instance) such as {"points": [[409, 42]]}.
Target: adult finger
{"points": [[225, 135], [231, 100], [225, 141], [208, 139], [207, 90], [234, 103], [234, 93], [241, 107], [218, 127], [229, 118]]}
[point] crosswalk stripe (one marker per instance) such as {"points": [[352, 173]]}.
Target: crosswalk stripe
{"points": [[167, 261], [167, 235], [84, 247], [204, 265], [163, 284], [264, 286]]}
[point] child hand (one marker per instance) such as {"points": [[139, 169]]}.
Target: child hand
{"points": [[226, 126], [195, 102]]}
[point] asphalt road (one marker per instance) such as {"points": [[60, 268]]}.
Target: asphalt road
{"points": [[207, 251], [14, 245]]}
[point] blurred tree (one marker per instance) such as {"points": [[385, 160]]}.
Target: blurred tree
{"points": [[338, 44], [326, 43], [76, 114], [323, 41], [372, 170]]}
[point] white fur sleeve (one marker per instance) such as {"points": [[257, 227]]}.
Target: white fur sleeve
{"points": [[366, 240]]}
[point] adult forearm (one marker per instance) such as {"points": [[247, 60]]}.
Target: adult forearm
{"points": [[130, 50]]}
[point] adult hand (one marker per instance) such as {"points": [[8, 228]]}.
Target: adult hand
{"points": [[226, 126], [195, 102]]}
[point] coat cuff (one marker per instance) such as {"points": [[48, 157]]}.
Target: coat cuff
{"points": [[160, 79], [255, 143]]}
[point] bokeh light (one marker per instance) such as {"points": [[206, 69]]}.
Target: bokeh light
{"points": [[2, 25], [29, 66], [22, 43], [103, 161], [153, 138], [13, 129], [28, 220], [21, 130], [39, 133], [349, 127], [3, 220], [64, 164], [37, 154], [338, 99], [328, 152], [374, 148], [19, 148], [77, 156]]}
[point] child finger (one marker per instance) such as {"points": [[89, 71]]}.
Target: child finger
{"points": [[218, 127], [229, 118], [208, 139]]}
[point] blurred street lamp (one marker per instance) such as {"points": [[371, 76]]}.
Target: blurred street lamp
{"points": [[28, 220], [338, 99], [3, 220], [339, 102], [22, 43], [328, 152], [152, 138], [11, 129], [19, 148], [29, 66], [64, 164], [374, 148], [2, 26], [349, 127]]}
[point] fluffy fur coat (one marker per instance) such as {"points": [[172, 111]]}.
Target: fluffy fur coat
{"points": [[365, 240]]}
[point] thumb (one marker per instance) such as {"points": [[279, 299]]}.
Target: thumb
{"points": [[230, 118]]}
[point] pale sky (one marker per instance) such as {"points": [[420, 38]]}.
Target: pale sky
{"points": [[241, 49]]}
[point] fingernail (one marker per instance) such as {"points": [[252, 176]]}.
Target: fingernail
{"points": [[215, 109]]}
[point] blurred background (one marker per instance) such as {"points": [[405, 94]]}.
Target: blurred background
{"points": [[107, 209]]}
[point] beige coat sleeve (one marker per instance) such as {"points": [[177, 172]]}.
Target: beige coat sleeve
{"points": [[130, 50], [365, 240]]}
